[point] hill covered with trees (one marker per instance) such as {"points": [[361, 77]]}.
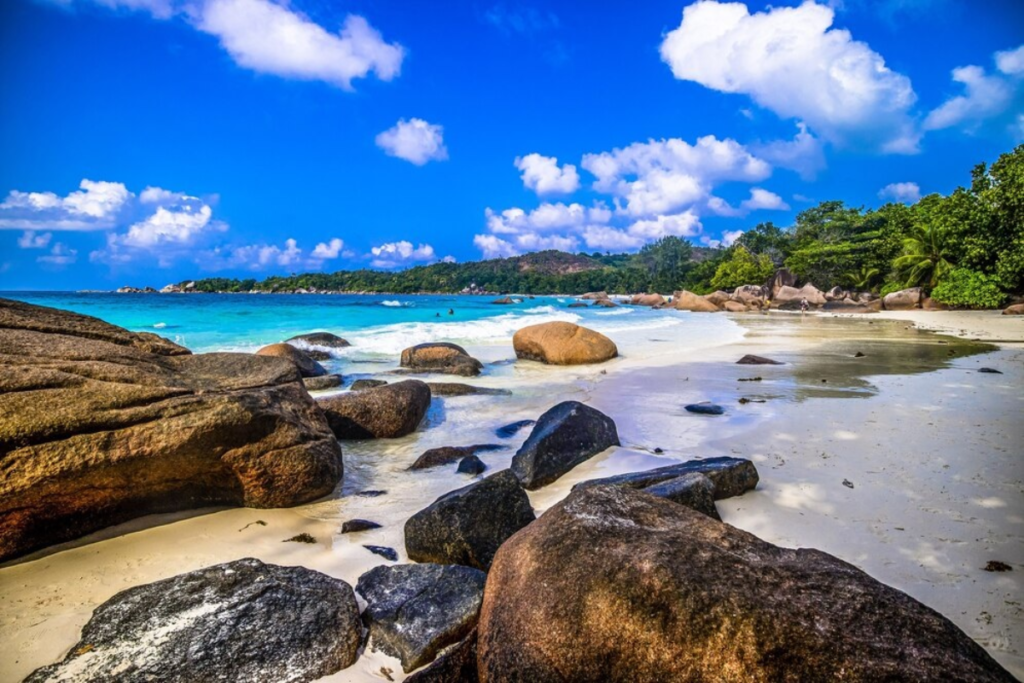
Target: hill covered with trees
{"points": [[966, 249]]}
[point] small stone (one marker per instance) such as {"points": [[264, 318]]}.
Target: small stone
{"points": [[997, 566], [371, 493], [301, 538], [384, 551], [751, 359], [705, 409], [858, 355], [658, 450], [355, 525], [471, 465], [991, 371], [847, 483], [749, 379]]}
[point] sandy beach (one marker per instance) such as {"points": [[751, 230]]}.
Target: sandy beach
{"points": [[905, 462]]}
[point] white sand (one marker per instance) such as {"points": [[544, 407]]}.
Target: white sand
{"points": [[936, 454]]}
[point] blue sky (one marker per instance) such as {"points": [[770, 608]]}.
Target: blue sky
{"points": [[151, 141]]}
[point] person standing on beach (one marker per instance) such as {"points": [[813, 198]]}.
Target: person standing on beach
{"points": [[803, 305]]}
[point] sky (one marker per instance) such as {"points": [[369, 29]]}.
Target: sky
{"points": [[146, 142]]}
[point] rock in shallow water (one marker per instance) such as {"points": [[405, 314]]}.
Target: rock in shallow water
{"points": [[730, 476], [705, 409], [414, 610], [239, 621], [435, 457], [356, 525], [751, 359], [616, 585], [306, 365], [361, 384], [441, 357], [471, 465], [384, 551], [385, 412], [562, 343], [455, 389], [101, 425], [325, 339], [510, 430]]}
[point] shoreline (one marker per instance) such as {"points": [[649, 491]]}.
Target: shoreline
{"points": [[47, 597]]}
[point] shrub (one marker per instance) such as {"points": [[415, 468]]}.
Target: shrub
{"points": [[969, 289], [890, 287]]}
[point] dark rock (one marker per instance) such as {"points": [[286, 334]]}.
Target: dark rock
{"points": [[744, 400], [435, 457], [441, 357], [322, 383], [564, 436], [317, 354], [694, 490], [731, 476], [577, 304], [751, 359], [991, 371], [847, 483], [384, 551], [356, 525], [301, 538], [997, 566], [858, 355], [504, 300], [361, 384], [455, 389], [749, 379], [101, 425], [414, 610], [466, 526], [306, 365], [605, 303], [510, 430], [615, 585], [239, 621], [455, 664], [471, 465], [385, 412], [325, 339], [371, 493], [705, 409]]}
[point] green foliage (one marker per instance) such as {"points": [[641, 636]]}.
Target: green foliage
{"points": [[969, 289], [742, 268], [889, 288], [926, 255], [768, 240]]}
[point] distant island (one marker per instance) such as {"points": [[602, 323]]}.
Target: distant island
{"points": [[965, 250]]}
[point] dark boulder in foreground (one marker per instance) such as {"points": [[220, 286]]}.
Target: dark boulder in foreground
{"points": [[454, 664], [616, 585], [322, 383], [466, 526], [751, 359], [435, 457], [510, 430], [731, 476], [385, 412], [564, 436], [414, 610], [306, 365], [324, 339], [101, 425], [243, 620], [705, 409], [441, 357], [694, 490]]}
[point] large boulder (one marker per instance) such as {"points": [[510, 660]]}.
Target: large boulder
{"points": [[1015, 309], [734, 307], [307, 366], [414, 610], [647, 300], [239, 621], [466, 526], [616, 585], [903, 300], [442, 358], [730, 476], [99, 425], [454, 664], [561, 343], [781, 278], [751, 295], [324, 340], [564, 436], [789, 298], [718, 298], [597, 296], [688, 301], [385, 412]]}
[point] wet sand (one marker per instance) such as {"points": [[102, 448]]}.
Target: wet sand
{"points": [[930, 445]]}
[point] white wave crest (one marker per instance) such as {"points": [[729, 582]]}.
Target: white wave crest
{"points": [[392, 304], [617, 311], [160, 326]]}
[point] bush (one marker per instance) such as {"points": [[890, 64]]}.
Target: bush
{"points": [[969, 289], [890, 287]]}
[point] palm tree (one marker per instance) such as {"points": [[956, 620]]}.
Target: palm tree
{"points": [[863, 278], [924, 261]]}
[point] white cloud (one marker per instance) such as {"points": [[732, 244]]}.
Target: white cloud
{"points": [[729, 237], [415, 141], [986, 96], [449, 259], [60, 255], [328, 250], [94, 206], [492, 246], [789, 60], [610, 239], [804, 153], [261, 257], [542, 175], [544, 217], [179, 226], [393, 254], [763, 199], [270, 38], [1011, 62], [908, 193], [685, 224], [33, 240]]}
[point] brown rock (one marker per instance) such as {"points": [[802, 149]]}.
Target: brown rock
{"points": [[385, 412], [322, 383], [561, 343], [504, 300], [790, 297], [307, 366], [1015, 309], [595, 295], [605, 303], [734, 307], [435, 457], [903, 300], [647, 300], [361, 384], [456, 389], [99, 425], [751, 295], [442, 358], [613, 584], [782, 278], [718, 298], [688, 301], [930, 304]]}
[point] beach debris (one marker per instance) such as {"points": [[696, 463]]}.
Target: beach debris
{"points": [[730, 476], [415, 610], [353, 526], [258, 522], [562, 343], [847, 483], [466, 526], [564, 436], [385, 412], [748, 379], [471, 465], [751, 359], [658, 450], [307, 366], [435, 457], [371, 493], [301, 538], [705, 409], [744, 400], [440, 357], [361, 384], [997, 566], [238, 621], [510, 430], [991, 371], [386, 673], [384, 551]]}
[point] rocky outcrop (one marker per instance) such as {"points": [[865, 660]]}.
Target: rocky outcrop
{"points": [[647, 300], [561, 343], [730, 476], [688, 301], [504, 300], [324, 340], [597, 296], [385, 412], [239, 621], [751, 359], [1015, 309], [466, 526], [323, 382], [307, 366], [564, 436], [442, 358], [605, 303], [99, 425], [789, 298], [903, 300], [749, 295], [782, 278], [436, 457], [617, 585], [578, 304], [414, 610], [718, 298]]}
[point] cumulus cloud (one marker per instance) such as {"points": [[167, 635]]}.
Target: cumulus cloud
{"points": [[32, 240], [394, 254], [60, 255], [729, 237], [492, 246], [415, 141], [901, 192], [328, 250], [789, 60], [94, 206], [804, 154], [263, 256], [543, 175], [986, 95]]}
